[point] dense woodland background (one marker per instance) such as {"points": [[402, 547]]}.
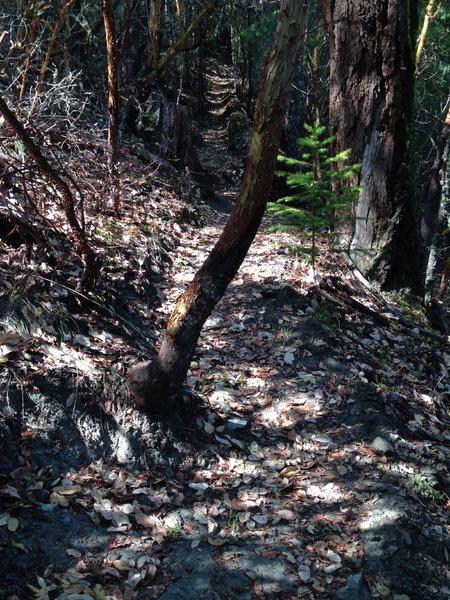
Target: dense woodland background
{"points": [[130, 73], [139, 143]]}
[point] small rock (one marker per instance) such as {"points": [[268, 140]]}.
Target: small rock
{"points": [[382, 445], [48, 507], [406, 538], [236, 423], [356, 589]]}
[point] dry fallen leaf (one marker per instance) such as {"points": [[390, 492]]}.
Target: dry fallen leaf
{"points": [[217, 541], [121, 565], [67, 490], [120, 518], [13, 524]]}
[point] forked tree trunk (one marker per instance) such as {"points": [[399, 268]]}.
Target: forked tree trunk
{"points": [[155, 384], [371, 100]]}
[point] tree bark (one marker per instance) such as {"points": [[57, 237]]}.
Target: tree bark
{"points": [[435, 220], [113, 100], [156, 384], [34, 30], [156, 10], [371, 102]]}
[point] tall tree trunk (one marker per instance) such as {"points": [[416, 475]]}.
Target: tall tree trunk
{"points": [[156, 11], [113, 100], [371, 101], [155, 384]]}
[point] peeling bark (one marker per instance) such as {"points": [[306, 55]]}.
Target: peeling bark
{"points": [[155, 384]]}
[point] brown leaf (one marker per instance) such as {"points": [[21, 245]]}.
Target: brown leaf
{"points": [[67, 490]]}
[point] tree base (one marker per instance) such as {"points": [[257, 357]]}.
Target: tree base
{"points": [[151, 390]]}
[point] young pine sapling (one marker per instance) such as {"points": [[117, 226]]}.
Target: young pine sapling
{"points": [[322, 197]]}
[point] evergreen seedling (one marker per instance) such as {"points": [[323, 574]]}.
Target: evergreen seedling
{"points": [[321, 198]]}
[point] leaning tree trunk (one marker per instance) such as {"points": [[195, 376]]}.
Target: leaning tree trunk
{"points": [[156, 384], [371, 102]]}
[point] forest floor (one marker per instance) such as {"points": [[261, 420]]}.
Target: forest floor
{"points": [[309, 455]]}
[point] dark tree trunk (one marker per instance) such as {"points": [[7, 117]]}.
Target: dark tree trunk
{"points": [[155, 384], [435, 221], [200, 78], [371, 100], [175, 136], [156, 10], [113, 100]]}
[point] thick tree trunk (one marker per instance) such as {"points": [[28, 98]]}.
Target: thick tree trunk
{"points": [[371, 99], [155, 384]]}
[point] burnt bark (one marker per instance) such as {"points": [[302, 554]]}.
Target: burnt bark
{"points": [[371, 102], [156, 384]]}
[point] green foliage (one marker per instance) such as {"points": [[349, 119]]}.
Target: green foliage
{"points": [[432, 86], [262, 29], [321, 196], [421, 486], [256, 37]]}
